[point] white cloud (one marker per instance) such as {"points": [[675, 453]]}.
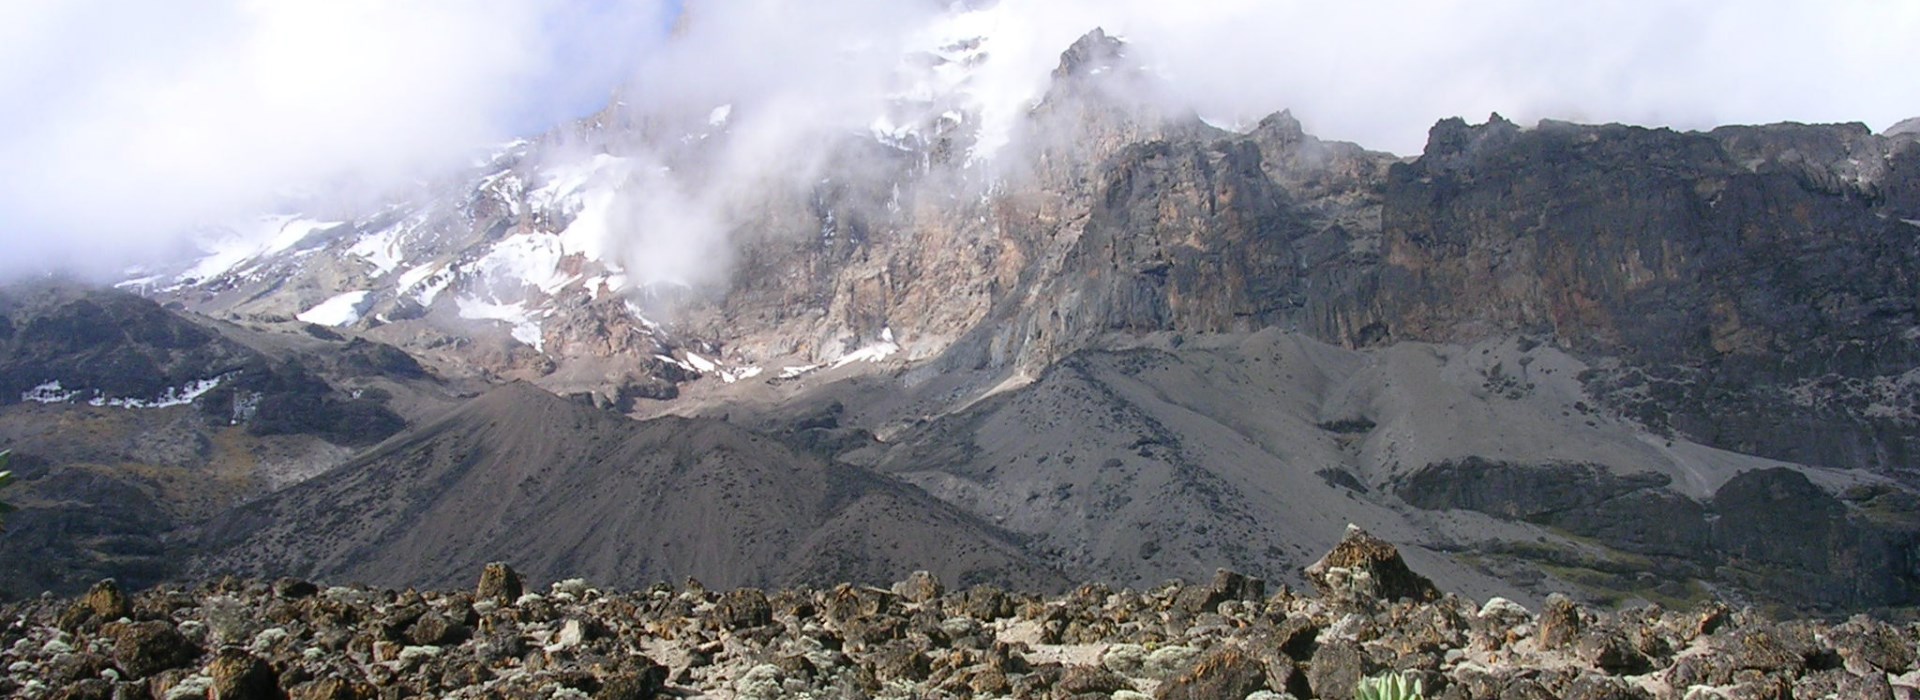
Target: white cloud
{"points": [[128, 120]]}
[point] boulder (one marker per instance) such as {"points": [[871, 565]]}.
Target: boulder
{"points": [[499, 583], [920, 587], [1362, 567], [143, 649], [238, 675]]}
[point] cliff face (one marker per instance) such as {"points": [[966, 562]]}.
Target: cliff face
{"points": [[1754, 291]]}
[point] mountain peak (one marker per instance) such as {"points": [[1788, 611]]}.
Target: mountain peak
{"points": [[1905, 127], [1091, 54]]}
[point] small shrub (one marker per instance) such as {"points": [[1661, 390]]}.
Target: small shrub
{"points": [[1389, 686]]}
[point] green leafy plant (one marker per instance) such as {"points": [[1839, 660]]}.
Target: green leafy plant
{"points": [[1389, 686], [6, 477]]}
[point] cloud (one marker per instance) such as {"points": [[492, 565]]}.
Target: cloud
{"points": [[1380, 73], [130, 122]]}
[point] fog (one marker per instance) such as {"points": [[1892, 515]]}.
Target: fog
{"points": [[130, 123]]}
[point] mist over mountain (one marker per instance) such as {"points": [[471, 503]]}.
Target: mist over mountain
{"points": [[845, 291]]}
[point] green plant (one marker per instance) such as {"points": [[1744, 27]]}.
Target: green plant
{"points": [[6, 477], [1389, 686]]}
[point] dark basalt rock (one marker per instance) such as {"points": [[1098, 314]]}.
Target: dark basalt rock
{"points": [[1226, 585], [143, 649], [743, 608], [239, 675], [499, 583]]}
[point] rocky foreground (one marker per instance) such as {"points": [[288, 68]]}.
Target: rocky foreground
{"points": [[1230, 638]]}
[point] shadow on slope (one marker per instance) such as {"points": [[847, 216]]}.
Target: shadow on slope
{"points": [[562, 490]]}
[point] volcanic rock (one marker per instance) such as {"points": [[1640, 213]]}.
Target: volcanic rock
{"points": [[1363, 567]]}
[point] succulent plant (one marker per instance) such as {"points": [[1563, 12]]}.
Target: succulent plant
{"points": [[1388, 686]]}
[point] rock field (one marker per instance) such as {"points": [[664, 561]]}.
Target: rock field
{"points": [[1228, 638]]}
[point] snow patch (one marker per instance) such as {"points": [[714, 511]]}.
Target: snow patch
{"points": [[226, 247], [719, 115], [669, 359], [380, 249], [1231, 125], [49, 392], [52, 392], [173, 396], [341, 310], [532, 259], [737, 374], [700, 363], [871, 353], [1911, 222], [427, 279], [525, 329]]}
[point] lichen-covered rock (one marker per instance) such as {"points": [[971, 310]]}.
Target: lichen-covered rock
{"points": [[1227, 672], [743, 608], [1560, 625], [238, 675], [920, 587], [1366, 568], [499, 583], [143, 649]]}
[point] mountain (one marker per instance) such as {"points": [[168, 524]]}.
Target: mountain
{"points": [[129, 421], [564, 491], [1100, 337]]}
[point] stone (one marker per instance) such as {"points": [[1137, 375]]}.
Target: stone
{"points": [[743, 608], [1336, 668], [639, 679], [920, 587], [294, 589], [499, 583], [1364, 567], [238, 675], [1609, 650], [899, 660], [102, 603], [143, 649], [1229, 671], [1078, 680], [1296, 636], [327, 689], [1559, 624], [435, 629], [1592, 687], [986, 603], [1226, 585], [107, 602], [1863, 641]]}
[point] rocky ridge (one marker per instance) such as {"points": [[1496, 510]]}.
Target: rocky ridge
{"points": [[1226, 638]]}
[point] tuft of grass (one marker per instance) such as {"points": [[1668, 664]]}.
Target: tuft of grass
{"points": [[1389, 686]]}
